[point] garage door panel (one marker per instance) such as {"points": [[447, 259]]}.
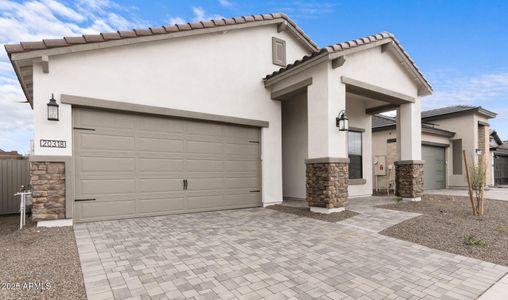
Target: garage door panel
{"points": [[93, 210], [103, 119], [106, 142], [160, 184], [148, 165], [104, 187], [160, 145], [434, 168], [204, 147], [201, 165], [144, 166], [245, 150], [204, 129], [159, 125], [241, 166], [107, 164], [151, 206]]}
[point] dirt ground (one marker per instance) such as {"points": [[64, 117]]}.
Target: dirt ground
{"points": [[305, 212], [447, 224], [38, 263]]}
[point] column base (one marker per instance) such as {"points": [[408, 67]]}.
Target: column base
{"points": [[326, 211], [327, 184], [409, 179]]}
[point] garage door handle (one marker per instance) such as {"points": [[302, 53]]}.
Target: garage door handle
{"points": [[88, 199], [255, 191], [185, 183]]}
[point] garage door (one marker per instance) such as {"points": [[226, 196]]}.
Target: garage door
{"points": [[130, 165], [434, 167]]}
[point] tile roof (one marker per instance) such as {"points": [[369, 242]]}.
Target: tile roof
{"points": [[349, 45], [109, 36], [454, 109], [380, 121]]}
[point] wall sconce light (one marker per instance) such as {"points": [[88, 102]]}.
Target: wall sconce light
{"points": [[478, 151], [52, 109], [342, 122]]}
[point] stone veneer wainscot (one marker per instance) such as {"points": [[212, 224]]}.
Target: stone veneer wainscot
{"points": [[327, 182], [48, 190], [409, 179]]}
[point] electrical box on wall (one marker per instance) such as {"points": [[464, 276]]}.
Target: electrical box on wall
{"points": [[380, 165]]}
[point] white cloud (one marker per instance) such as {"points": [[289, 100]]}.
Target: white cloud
{"points": [[35, 20], [225, 3], [176, 20], [483, 89], [304, 9], [201, 15]]}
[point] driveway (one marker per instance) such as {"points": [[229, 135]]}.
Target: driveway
{"points": [[495, 193], [263, 253]]}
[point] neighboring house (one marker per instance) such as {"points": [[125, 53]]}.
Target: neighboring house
{"points": [[499, 159], [10, 155], [445, 133], [185, 118]]}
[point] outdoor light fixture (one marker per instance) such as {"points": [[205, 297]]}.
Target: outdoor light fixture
{"points": [[342, 121], [478, 151], [52, 109]]}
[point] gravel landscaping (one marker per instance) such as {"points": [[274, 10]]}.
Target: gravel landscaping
{"points": [[34, 255], [305, 212], [447, 224]]}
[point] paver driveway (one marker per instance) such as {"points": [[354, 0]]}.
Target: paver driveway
{"points": [[262, 253]]}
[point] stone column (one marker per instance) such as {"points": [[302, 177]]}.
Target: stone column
{"points": [[48, 190], [409, 166], [409, 179], [327, 184], [327, 163]]}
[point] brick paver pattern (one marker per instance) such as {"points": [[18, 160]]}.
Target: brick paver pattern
{"points": [[265, 254]]}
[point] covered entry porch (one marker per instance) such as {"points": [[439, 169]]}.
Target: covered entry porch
{"points": [[325, 165]]}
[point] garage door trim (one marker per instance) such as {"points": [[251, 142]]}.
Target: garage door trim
{"points": [[78, 101]]}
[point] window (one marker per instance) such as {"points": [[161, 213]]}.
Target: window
{"points": [[457, 157], [278, 52], [355, 154]]}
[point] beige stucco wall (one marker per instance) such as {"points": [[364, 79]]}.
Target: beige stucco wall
{"points": [[465, 127], [294, 146], [219, 73], [381, 147]]}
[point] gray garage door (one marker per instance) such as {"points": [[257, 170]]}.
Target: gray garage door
{"points": [[434, 168], [129, 165]]}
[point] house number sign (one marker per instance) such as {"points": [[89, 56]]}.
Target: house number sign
{"points": [[53, 144]]}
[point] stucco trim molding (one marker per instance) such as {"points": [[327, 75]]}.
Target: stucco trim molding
{"points": [[369, 90], [409, 162], [69, 177], [322, 160], [288, 91], [483, 123], [434, 144], [155, 110]]}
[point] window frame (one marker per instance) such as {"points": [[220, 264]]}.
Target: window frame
{"points": [[360, 132]]}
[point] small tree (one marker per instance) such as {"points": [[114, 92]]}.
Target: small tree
{"points": [[476, 178]]}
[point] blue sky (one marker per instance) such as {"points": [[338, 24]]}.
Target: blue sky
{"points": [[460, 46]]}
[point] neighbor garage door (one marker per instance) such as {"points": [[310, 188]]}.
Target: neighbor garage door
{"points": [[129, 165], [434, 167]]}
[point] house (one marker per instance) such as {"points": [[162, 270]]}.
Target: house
{"points": [[228, 113], [445, 133], [499, 159], [10, 155]]}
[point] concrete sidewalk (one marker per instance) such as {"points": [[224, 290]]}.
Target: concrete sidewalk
{"points": [[495, 193]]}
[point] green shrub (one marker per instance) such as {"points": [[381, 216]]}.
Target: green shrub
{"points": [[471, 240]]}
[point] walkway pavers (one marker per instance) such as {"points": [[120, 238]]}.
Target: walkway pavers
{"points": [[372, 218], [265, 254]]}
